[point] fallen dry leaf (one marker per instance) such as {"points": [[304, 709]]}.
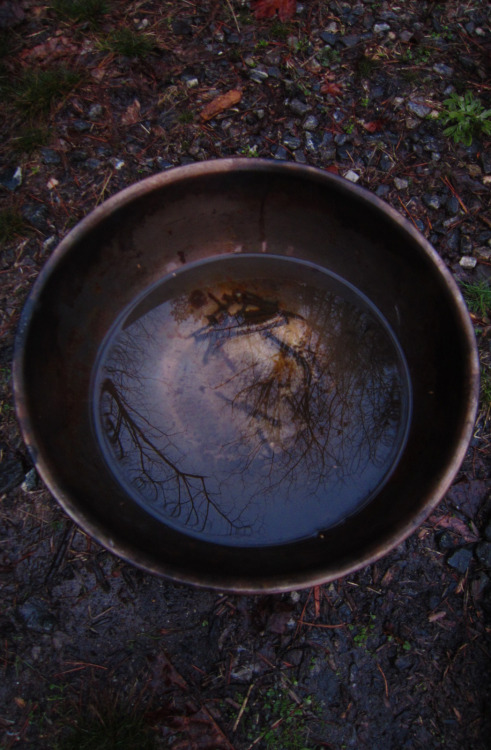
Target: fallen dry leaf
{"points": [[267, 9], [331, 88], [132, 114], [374, 126], [459, 527], [221, 103]]}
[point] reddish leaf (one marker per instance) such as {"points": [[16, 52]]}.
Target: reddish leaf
{"points": [[221, 103], [132, 114], [268, 8], [458, 527], [373, 126], [331, 88]]}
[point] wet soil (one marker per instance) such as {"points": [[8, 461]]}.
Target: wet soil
{"points": [[394, 656]]}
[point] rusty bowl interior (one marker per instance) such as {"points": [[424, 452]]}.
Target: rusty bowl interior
{"points": [[219, 209]]}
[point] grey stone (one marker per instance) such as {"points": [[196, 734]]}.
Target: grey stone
{"points": [[31, 481], [382, 191], [406, 36], [329, 38], [460, 560], [36, 214], [274, 72], [37, 616], [300, 157], [453, 240], [280, 153], [292, 142], [381, 28], [340, 139], [483, 553], [311, 123], [49, 156], [401, 183], [351, 40], [432, 201], [11, 178], [82, 126], [452, 206], [93, 163], [418, 109], [11, 474], [443, 70], [385, 163], [257, 75], [486, 161], [299, 108], [467, 262]]}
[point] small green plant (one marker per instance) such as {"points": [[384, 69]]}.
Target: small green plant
{"points": [[465, 116], [104, 724], [11, 225], [30, 139], [80, 10], [478, 297], [186, 117], [128, 43], [37, 90]]}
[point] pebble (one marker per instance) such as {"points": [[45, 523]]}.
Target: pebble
{"points": [[468, 262], [37, 616], [292, 142], [381, 28], [483, 553], [328, 37], [299, 108], [49, 156], [401, 183], [257, 75], [310, 123], [418, 109], [432, 201], [36, 214], [31, 482], [11, 178], [443, 70], [351, 176], [452, 206], [460, 560], [382, 191]]}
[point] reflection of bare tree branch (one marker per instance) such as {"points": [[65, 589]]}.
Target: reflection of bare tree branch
{"points": [[191, 499], [317, 413]]}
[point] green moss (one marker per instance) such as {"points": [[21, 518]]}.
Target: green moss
{"points": [[11, 225], [128, 43], [36, 91]]}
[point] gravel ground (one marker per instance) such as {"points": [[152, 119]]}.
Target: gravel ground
{"points": [[394, 656]]}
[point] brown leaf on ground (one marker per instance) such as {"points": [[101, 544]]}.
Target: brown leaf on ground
{"points": [[181, 715], [331, 88], [132, 114], [221, 103], [374, 126], [268, 8], [452, 523], [54, 48]]}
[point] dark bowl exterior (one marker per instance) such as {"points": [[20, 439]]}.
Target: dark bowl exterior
{"points": [[213, 209]]}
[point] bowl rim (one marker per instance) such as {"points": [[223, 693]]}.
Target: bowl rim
{"points": [[274, 584]]}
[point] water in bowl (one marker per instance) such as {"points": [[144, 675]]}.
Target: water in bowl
{"points": [[251, 400]]}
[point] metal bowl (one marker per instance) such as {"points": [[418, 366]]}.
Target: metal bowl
{"points": [[223, 215]]}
